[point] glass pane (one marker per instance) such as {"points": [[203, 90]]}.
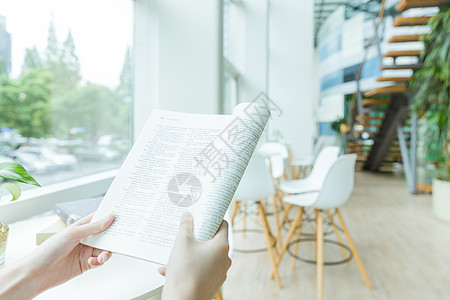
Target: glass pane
{"points": [[65, 86], [229, 94], [227, 36]]}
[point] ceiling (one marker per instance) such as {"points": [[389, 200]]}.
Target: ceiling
{"points": [[323, 8]]}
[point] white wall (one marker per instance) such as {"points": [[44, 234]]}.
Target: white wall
{"points": [[280, 62], [179, 65], [177, 57], [291, 81], [253, 79]]}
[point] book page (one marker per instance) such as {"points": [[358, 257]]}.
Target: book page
{"points": [[224, 161], [179, 162]]}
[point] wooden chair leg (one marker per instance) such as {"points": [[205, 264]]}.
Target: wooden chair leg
{"points": [[244, 220], [354, 251], [297, 236], [297, 221], [268, 239], [292, 168], [280, 195], [235, 210], [287, 208], [277, 220], [218, 295], [336, 231], [319, 254]]}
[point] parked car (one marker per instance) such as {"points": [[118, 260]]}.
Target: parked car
{"points": [[5, 148], [59, 159], [2, 160], [114, 142], [94, 152], [33, 162]]}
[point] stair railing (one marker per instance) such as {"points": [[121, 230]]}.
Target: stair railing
{"points": [[375, 39]]}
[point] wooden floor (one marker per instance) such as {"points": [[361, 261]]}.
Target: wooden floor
{"points": [[405, 250]]}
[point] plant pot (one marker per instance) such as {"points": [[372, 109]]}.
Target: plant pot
{"points": [[441, 199], [4, 229]]}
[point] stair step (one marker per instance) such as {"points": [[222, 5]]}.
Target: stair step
{"points": [[367, 118], [401, 67], [353, 150], [400, 21], [394, 79], [360, 142], [394, 154], [406, 38], [386, 90], [396, 144], [357, 152], [367, 102], [360, 150], [368, 125], [407, 4], [402, 53], [369, 131]]}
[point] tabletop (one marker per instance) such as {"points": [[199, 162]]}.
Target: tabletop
{"points": [[122, 277]]}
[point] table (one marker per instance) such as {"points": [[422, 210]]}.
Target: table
{"points": [[122, 277]]}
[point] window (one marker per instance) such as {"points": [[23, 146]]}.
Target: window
{"points": [[230, 93], [65, 86], [231, 36]]}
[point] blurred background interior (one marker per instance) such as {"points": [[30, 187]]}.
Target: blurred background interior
{"points": [[78, 79]]}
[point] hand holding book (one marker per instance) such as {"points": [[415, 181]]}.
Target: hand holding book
{"points": [[180, 162], [196, 270]]}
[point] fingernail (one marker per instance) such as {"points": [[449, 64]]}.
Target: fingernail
{"points": [[102, 258], [185, 216]]}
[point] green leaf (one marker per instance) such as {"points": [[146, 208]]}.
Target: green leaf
{"points": [[16, 172], [13, 188]]}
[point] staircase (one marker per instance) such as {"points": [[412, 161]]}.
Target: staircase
{"points": [[383, 112]]}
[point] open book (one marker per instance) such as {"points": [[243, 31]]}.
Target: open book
{"points": [[180, 162]]}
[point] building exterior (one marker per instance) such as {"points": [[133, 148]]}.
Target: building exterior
{"points": [[5, 46], [340, 51]]}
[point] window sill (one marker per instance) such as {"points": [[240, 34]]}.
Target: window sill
{"points": [[39, 200]]}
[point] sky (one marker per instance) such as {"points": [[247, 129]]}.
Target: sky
{"points": [[101, 29]]}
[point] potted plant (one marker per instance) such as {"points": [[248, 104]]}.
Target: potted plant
{"points": [[430, 87], [13, 172], [341, 128]]}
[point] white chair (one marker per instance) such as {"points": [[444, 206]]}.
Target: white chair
{"points": [[272, 148], [278, 156], [256, 185], [336, 190], [304, 163], [313, 182]]}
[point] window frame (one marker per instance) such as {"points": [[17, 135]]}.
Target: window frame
{"points": [[40, 200]]}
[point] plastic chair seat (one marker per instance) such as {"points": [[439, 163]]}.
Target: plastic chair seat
{"points": [[314, 181], [303, 161], [306, 199], [334, 191], [300, 186]]}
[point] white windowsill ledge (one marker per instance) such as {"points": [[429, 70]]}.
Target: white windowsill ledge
{"points": [[39, 200]]}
